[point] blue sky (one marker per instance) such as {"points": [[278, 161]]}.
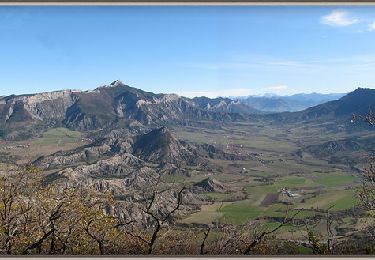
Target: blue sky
{"points": [[191, 51]]}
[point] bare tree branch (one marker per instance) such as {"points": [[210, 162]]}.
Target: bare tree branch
{"points": [[204, 240], [264, 233]]}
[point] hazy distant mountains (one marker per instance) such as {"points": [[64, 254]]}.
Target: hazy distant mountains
{"points": [[297, 102], [226, 105], [110, 105], [359, 102], [120, 105], [267, 103]]}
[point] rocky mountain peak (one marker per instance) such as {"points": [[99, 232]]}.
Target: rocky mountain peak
{"points": [[162, 131], [108, 105], [210, 185], [117, 83], [159, 140], [160, 146]]}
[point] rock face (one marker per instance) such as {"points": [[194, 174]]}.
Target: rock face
{"points": [[213, 152], [116, 173], [225, 105], [332, 147], [128, 165], [359, 102], [347, 151], [160, 146], [50, 105], [129, 179], [157, 146], [111, 104], [297, 102], [42, 106], [210, 185], [116, 142], [119, 105]]}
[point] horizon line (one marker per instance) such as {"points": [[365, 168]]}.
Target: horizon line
{"points": [[182, 95]]}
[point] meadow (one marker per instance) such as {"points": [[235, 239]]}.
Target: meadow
{"points": [[275, 160], [318, 184]]}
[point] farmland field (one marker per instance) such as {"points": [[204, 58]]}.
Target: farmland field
{"points": [[274, 161], [273, 164], [49, 141]]}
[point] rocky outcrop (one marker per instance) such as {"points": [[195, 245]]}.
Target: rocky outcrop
{"points": [[160, 146], [157, 146], [210, 185], [42, 106], [129, 180], [225, 105], [114, 104], [49, 105], [332, 147], [116, 142], [117, 173]]}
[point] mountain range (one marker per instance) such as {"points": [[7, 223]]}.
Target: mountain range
{"points": [[297, 102], [358, 102], [114, 104], [117, 104], [129, 146]]}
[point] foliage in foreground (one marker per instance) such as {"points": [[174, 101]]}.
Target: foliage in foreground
{"points": [[57, 220]]}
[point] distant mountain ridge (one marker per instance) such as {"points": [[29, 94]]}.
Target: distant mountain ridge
{"points": [[105, 106], [157, 146], [117, 104], [221, 104], [293, 103], [359, 102]]}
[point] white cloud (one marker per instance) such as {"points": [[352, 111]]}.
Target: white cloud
{"points": [[253, 63], [339, 18], [217, 93], [237, 92], [276, 88], [220, 65], [371, 27], [361, 61]]}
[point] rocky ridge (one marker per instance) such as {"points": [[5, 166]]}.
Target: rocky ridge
{"points": [[109, 105]]}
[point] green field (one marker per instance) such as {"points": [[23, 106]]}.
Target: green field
{"points": [[239, 213], [340, 199], [318, 184], [207, 215], [273, 161], [333, 180], [59, 137], [325, 186], [174, 178], [48, 142]]}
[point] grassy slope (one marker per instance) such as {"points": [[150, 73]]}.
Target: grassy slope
{"points": [[58, 136], [306, 174]]}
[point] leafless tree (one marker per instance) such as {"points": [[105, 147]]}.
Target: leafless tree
{"points": [[367, 192], [159, 217], [369, 118], [258, 238], [206, 233]]}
